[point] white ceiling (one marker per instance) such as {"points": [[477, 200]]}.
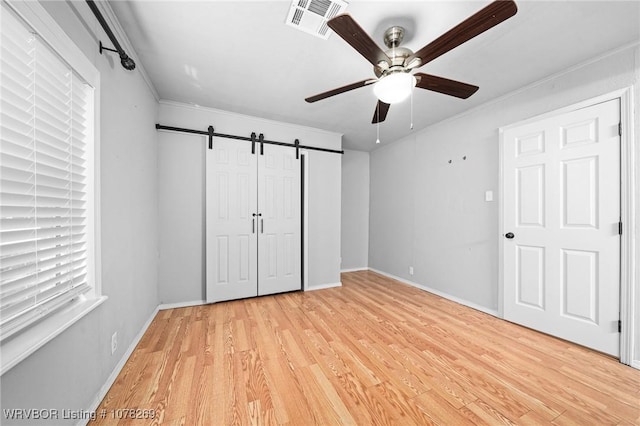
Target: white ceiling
{"points": [[240, 56]]}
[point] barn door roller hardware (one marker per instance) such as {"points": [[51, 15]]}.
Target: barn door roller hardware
{"points": [[125, 60], [261, 140]]}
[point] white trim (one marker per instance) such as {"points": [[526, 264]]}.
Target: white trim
{"points": [[40, 20], [18, 348], [500, 222], [616, 94], [442, 294], [628, 258], [119, 366], [122, 38], [324, 286], [627, 212], [165, 306], [363, 268]]}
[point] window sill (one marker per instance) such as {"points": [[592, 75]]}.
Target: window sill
{"points": [[19, 347]]}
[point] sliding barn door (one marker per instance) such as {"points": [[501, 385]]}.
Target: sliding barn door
{"points": [[279, 241], [231, 228], [561, 213], [253, 225]]}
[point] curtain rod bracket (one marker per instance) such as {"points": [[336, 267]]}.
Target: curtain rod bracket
{"points": [[106, 48]]}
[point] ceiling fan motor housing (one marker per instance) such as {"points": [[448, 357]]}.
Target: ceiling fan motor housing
{"points": [[393, 36], [398, 56]]}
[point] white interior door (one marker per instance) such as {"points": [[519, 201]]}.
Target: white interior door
{"points": [[231, 201], [253, 225], [561, 201], [279, 205]]}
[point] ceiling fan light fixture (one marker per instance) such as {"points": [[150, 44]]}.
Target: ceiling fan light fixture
{"points": [[394, 88]]}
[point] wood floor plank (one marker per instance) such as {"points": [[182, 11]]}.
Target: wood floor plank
{"points": [[374, 351], [278, 376]]}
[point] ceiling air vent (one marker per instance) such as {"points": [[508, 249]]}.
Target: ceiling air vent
{"points": [[311, 16]]}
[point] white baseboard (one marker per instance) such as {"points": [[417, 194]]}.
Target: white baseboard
{"points": [[440, 293], [119, 366], [363, 268], [635, 364], [165, 306], [324, 286]]}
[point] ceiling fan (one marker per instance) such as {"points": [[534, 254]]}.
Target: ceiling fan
{"points": [[392, 68]]}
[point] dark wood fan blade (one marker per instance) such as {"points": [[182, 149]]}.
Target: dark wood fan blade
{"points": [[444, 85], [476, 24], [339, 90], [380, 113], [347, 28]]}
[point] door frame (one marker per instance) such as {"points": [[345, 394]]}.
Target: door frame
{"points": [[304, 186], [628, 202]]}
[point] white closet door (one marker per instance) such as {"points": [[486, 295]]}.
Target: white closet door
{"points": [[561, 213], [279, 241], [231, 201]]}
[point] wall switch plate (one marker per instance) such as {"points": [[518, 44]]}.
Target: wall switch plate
{"points": [[488, 196], [114, 342], [410, 270]]}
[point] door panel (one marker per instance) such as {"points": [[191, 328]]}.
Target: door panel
{"points": [[530, 278], [561, 200], [580, 285], [279, 243], [580, 193], [530, 194], [231, 254]]}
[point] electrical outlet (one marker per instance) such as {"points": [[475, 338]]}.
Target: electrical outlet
{"points": [[114, 342], [410, 270]]}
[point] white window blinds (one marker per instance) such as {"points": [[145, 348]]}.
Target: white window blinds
{"points": [[46, 123]]}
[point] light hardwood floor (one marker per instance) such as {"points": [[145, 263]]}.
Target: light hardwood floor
{"points": [[374, 351]]}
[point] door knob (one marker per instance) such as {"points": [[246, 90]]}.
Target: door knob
{"points": [[509, 235]]}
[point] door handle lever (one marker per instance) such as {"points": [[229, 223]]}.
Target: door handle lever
{"points": [[253, 224], [509, 235]]}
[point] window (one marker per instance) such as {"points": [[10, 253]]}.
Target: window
{"points": [[47, 185]]}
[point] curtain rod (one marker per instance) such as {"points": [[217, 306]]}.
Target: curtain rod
{"points": [[125, 60], [209, 132]]}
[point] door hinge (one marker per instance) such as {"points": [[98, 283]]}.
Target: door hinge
{"points": [[620, 129], [619, 326], [619, 228]]}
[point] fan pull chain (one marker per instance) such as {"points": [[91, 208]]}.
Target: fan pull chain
{"points": [[378, 123], [411, 126]]}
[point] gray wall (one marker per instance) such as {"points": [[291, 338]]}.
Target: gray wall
{"points": [[355, 210], [431, 214], [69, 371], [182, 196]]}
